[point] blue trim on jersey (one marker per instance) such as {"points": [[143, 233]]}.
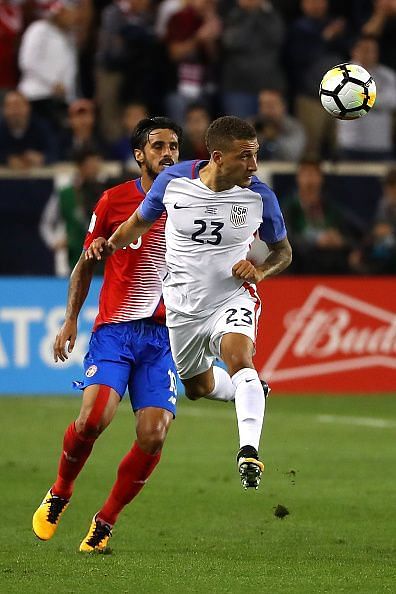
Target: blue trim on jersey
{"points": [[152, 206], [273, 228], [139, 186]]}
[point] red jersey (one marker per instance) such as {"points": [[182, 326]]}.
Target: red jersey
{"points": [[132, 284]]}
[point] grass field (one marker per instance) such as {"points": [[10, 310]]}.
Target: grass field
{"points": [[330, 461]]}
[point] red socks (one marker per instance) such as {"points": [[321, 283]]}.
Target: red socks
{"points": [[76, 450], [133, 472]]}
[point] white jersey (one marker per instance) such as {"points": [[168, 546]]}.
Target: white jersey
{"points": [[207, 233]]}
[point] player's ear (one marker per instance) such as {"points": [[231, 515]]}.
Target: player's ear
{"points": [[139, 156], [217, 157]]}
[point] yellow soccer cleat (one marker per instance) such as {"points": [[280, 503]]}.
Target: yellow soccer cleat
{"points": [[97, 537], [46, 517]]}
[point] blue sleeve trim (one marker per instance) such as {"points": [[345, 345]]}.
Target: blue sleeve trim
{"points": [[152, 206], [273, 228]]}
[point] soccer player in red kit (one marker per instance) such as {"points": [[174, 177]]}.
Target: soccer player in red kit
{"points": [[129, 346]]}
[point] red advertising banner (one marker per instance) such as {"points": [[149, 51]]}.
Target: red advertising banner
{"points": [[326, 334]]}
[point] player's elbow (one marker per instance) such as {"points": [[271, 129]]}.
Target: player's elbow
{"points": [[288, 256]]}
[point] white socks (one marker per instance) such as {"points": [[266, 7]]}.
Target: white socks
{"points": [[249, 406], [224, 388]]}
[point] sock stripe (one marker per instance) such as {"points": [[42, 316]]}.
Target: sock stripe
{"points": [[99, 406]]}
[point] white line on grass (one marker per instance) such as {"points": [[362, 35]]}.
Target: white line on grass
{"points": [[357, 421]]}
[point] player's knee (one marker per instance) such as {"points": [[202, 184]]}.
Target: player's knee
{"points": [[238, 361], [88, 429], [152, 441]]}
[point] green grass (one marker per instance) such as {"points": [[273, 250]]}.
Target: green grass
{"points": [[193, 529]]}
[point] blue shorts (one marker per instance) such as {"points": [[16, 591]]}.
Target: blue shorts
{"points": [[136, 355]]}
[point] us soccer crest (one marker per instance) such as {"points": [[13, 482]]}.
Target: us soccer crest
{"points": [[238, 215]]}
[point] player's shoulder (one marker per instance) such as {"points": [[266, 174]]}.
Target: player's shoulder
{"points": [[261, 188], [186, 169], [129, 190]]}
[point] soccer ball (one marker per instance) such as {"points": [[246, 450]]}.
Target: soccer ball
{"points": [[347, 91]]}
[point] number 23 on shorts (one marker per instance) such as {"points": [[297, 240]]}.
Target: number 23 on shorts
{"points": [[239, 317]]}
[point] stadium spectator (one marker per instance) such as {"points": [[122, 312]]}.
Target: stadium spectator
{"points": [[377, 253], [252, 42], [166, 9], [214, 315], [121, 149], [66, 216], [48, 62], [382, 24], [25, 140], [82, 132], [129, 347], [316, 42], [280, 135], [316, 227], [128, 63], [370, 138], [192, 36], [11, 22], [195, 125]]}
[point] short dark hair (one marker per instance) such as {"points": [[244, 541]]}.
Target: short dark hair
{"points": [[80, 155], [142, 131], [225, 130]]}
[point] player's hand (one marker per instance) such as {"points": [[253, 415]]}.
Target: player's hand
{"points": [[247, 271], [99, 248], [68, 333]]}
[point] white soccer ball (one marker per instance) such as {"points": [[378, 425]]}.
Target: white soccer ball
{"points": [[347, 91]]}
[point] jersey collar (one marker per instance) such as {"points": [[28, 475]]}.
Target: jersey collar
{"points": [[139, 186]]}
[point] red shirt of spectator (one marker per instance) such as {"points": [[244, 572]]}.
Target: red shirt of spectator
{"points": [[10, 30]]}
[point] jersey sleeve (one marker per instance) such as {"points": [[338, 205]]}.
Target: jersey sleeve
{"points": [[99, 224], [273, 228], [153, 206]]}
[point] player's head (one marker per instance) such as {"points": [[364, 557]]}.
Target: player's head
{"points": [[232, 145], [155, 143]]}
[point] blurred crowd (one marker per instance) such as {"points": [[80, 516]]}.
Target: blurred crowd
{"points": [[76, 77]]}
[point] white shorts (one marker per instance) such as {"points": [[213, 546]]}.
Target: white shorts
{"points": [[195, 342]]}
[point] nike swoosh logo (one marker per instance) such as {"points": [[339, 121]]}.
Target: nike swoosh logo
{"points": [[177, 206], [251, 380]]}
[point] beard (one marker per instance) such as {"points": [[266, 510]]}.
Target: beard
{"points": [[151, 172]]}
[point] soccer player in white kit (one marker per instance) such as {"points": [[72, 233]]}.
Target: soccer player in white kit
{"points": [[214, 209]]}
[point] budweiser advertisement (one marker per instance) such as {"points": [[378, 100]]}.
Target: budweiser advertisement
{"points": [[332, 335]]}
